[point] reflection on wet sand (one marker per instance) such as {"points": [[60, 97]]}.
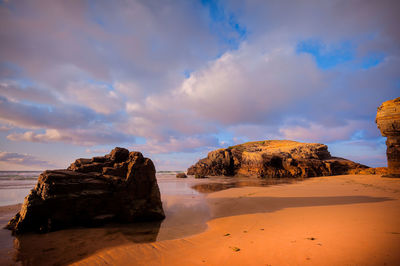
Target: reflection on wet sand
{"points": [[187, 212], [228, 183], [186, 215], [66, 246]]}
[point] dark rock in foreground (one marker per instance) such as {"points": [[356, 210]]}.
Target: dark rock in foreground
{"points": [[120, 186], [273, 158]]}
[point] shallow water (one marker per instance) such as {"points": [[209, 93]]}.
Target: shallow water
{"points": [[15, 185], [222, 183], [184, 203]]}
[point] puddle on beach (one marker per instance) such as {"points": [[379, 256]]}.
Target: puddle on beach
{"points": [[186, 212], [226, 183]]}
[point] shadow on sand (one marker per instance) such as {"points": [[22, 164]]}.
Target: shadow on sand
{"points": [[224, 207], [186, 215], [68, 246]]}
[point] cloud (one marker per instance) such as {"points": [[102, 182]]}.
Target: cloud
{"points": [[183, 144], [23, 159], [97, 151], [244, 86], [61, 42], [62, 122], [327, 20], [39, 116], [252, 84], [185, 74], [97, 97], [370, 152], [12, 91], [4, 128], [84, 137], [313, 132]]}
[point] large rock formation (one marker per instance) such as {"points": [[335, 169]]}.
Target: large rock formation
{"points": [[388, 121], [120, 186], [273, 158]]}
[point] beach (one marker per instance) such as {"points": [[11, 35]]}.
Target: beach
{"points": [[200, 132], [184, 202], [337, 220]]}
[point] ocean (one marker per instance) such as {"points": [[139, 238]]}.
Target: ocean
{"points": [[184, 202], [16, 185]]}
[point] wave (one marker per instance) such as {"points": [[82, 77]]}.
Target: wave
{"points": [[19, 175], [169, 172]]}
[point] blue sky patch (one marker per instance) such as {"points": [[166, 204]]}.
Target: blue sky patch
{"points": [[371, 60], [224, 24], [326, 56]]}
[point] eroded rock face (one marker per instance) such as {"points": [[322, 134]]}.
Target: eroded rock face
{"points": [[273, 158], [120, 186], [388, 121]]}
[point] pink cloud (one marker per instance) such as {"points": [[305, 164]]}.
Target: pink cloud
{"points": [[322, 133], [184, 144], [23, 159], [84, 137]]}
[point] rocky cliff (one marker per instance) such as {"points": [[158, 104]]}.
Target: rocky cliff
{"points": [[388, 121], [120, 186], [274, 158]]}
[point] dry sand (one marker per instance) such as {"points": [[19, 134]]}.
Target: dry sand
{"points": [[340, 220]]}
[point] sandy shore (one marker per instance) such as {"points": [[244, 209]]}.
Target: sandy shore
{"points": [[6, 240], [341, 220]]}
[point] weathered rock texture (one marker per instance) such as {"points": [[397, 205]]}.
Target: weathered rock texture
{"points": [[120, 186], [273, 158], [388, 121]]}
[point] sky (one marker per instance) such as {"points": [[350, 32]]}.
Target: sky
{"points": [[176, 79]]}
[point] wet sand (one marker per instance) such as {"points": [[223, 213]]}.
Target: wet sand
{"points": [[351, 220], [6, 243], [340, 220], [187, 213]]}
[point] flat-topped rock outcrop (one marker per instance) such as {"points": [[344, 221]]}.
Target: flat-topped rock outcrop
{"points": [[120, 186], [388, 121], [273, 158]]}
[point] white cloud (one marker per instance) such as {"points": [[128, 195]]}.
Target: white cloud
{"points": [[251, 84]]}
